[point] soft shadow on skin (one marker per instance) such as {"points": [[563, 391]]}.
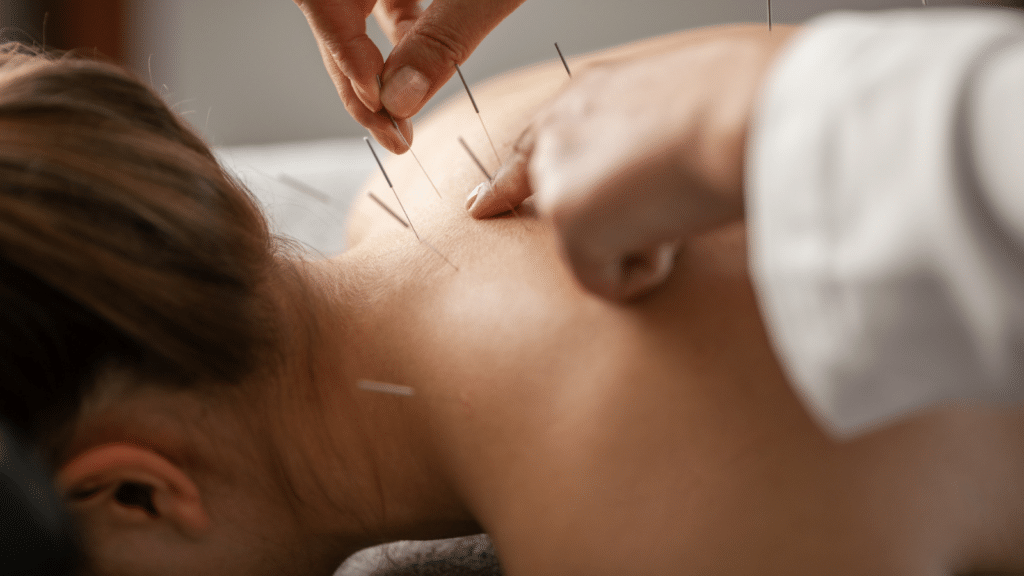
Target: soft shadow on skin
{"points": [[711, 270], [525, 210]]}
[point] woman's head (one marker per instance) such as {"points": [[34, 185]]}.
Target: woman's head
{"points": [[138, 288], [122, 243]]}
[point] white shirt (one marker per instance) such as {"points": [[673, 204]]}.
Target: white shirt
{"points": [[885, 194]]}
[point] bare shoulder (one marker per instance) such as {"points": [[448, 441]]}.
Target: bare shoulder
{"points": [[660, 438]]}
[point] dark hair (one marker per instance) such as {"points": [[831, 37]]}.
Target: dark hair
{"points": [[122, 242]]}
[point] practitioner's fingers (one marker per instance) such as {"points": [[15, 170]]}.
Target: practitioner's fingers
{"points": [[340, 30], [377, 123], [429, 43], [445, 34], [396, 17], [389, 138], [511, 184], [634, 157], [618, 234]]}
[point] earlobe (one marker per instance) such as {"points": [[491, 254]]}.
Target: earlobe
{"points": [[134, 484]]}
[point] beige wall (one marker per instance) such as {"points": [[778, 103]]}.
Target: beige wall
{"points": [[248, 71]]}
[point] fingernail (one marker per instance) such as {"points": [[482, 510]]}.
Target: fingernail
{"points": [[476, 195], [404, 92]]}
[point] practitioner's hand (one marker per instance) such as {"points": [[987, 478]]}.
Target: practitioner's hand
{"points": [[428, 43], [631, 159]]}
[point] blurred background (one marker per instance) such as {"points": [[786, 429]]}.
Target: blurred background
{"points": [[248, 72], [247, 75]]}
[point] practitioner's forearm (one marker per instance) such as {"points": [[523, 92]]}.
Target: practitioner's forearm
{"points": [[884, 205]]}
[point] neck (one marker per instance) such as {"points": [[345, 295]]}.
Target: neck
{"points": [[365, 463]]}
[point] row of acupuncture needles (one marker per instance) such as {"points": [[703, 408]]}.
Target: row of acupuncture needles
{"points": [[400, 390], [324, 198], [407, 223], [407, 391]]}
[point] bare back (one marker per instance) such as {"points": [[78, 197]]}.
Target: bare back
{"points": [[660, 437]]}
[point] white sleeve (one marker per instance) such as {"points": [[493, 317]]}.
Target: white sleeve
{"points": [[885, 194]]}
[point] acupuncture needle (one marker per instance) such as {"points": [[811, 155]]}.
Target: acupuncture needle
{"points": [[388, 210], [770, 15], [306, 189], [406, 225], [390, 185], [407, 145], [477, 109], [475, 159], [386, 388], [400, 391], [559, 50]]}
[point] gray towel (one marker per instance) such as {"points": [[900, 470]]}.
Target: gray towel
{"points": [[468, 556]]}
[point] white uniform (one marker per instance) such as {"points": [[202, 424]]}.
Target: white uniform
{"points": [[886, 210]]}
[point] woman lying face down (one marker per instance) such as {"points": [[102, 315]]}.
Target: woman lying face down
{"points": [[196, 384]]}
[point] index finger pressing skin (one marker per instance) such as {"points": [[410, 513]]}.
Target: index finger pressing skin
{"points": [[511, 185]]}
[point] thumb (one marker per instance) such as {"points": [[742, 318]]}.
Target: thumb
{"points": [[444, 35]]}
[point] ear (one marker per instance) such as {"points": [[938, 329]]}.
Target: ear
{"points": [[133, 486]]}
